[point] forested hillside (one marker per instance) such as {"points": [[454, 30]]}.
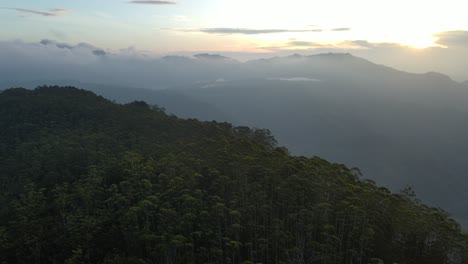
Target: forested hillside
{"points": [[401, 129], [85, 180], [172, 101]]}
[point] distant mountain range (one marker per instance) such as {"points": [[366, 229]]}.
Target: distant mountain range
{"points": [[399, 128]]}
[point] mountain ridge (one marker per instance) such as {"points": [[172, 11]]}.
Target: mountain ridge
{"points": [[164, 72]]}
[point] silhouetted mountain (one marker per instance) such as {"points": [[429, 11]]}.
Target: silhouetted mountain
{"points": [[85, 180]]}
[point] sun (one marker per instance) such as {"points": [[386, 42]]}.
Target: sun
{"points": [[418, 42]]}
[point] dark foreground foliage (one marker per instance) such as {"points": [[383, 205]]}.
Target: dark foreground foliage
{"points": [[84, 180]]}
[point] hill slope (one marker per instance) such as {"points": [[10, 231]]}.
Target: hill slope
{"points": [[401, 129], [174, 102], [84, 180]]}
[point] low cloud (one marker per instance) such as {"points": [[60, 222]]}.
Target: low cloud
{"points": [[57, 59], [310, 44], [250, 31], [362, 43], [452, 38], [153, 2], [99, 52], [48, 13], [207, 56], [83, 46]]}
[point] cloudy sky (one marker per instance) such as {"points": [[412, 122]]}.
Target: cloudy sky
{"points": [[411, 35]]}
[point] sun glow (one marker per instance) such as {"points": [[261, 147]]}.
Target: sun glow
{"points": [[421, 43], [398, 21]]}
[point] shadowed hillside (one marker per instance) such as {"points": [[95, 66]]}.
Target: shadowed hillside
{"points": [[85, 180]]}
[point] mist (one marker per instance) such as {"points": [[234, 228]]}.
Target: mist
{"points": [[53, 60]]}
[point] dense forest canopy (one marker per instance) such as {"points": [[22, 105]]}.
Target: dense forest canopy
{"points": [[85, 180]]}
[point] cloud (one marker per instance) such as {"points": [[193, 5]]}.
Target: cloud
{"points": [[358, 44], [452, 38], [58, 45], [303, 45], [352, 45], [83, 46], [82, 61], [362, 43], [298, 43], [153, 2], [99, 52], [207, 56], [249, 31], [341, 29], [48, 13], [59, 10]]}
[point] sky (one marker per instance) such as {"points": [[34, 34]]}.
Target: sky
{"points": [[428, 29]]}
